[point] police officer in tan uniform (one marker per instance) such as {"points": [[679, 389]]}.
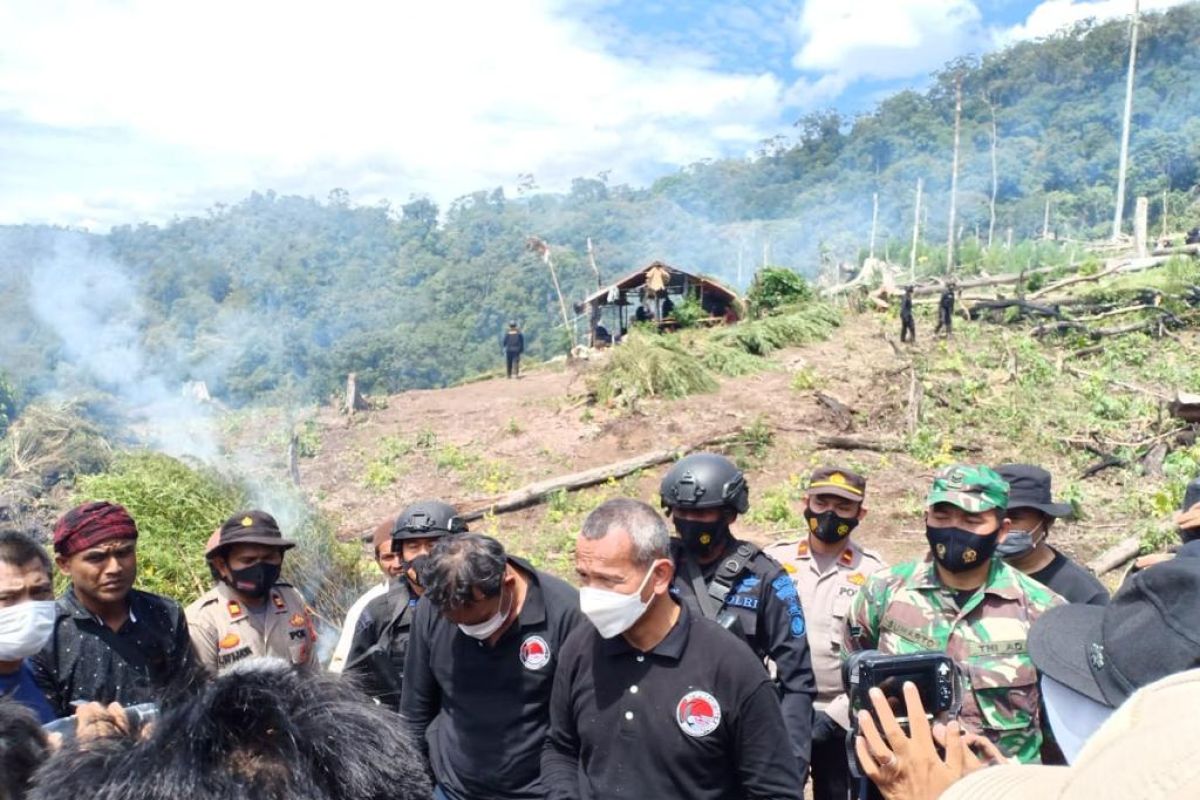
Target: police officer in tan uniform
{"points": [[828, 569], [250, 612]]}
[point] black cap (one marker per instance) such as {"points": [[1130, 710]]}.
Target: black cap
{"points": [[1147, 632], [1029, 487], [428, 519], [251, 527]]}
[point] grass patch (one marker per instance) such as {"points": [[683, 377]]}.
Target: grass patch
{"points": [[48, 444], [647, 364]]}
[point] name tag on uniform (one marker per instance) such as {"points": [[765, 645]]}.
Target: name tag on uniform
{"points": [[912, 634], [1015, 647]]}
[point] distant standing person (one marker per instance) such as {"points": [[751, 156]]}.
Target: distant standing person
{"points": [[908, 327], [946, 311], [513, 344]]}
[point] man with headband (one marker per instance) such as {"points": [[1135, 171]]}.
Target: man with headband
{"points": [[111, 642]]}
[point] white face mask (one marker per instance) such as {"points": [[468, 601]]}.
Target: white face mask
{"points": [[611, 612], [25, 628], [484, 630], [1073, 717]]}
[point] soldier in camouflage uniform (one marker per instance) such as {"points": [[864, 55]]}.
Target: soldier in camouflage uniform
{"points": [[961, 600]]}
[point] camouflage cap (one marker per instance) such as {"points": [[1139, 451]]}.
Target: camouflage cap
{"points": [[971, 487]]}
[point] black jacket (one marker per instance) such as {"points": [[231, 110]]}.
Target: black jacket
{"points": [[87, 660], [512, 342]]}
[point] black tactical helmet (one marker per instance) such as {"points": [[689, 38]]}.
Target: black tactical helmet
{"points": [[705, 480], [427, 519]]}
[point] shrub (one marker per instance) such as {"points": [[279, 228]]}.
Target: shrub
{"points": [[49, 444], [176, 507], [774, 287]]}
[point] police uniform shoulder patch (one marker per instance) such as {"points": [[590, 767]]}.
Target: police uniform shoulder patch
{"points": [[235, 608], [535, 653], [698, 714], [802, 548], [846, 558], [280, 603], [789, 567]]}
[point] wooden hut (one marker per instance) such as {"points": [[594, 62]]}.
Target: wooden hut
{"points": [[649, 295]]}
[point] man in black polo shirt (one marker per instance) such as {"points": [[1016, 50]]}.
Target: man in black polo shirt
{"points": [[482, 652], [1027, 547], [111, 643], [652, 700]]}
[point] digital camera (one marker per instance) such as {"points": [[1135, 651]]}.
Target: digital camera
{"points": [[933, 673]]}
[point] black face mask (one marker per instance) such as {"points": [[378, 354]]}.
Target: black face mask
{"points": [[254, 581], [828, 526], [703, 539], [958, 550]]}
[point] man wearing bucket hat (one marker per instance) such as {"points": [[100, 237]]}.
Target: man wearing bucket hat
{"points": [[828, 569], [962, 601], [250, 612], [1032, 512]]}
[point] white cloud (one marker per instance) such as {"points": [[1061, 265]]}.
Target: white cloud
{"points": [[850, 40], [446, 97], [1054, 15]]}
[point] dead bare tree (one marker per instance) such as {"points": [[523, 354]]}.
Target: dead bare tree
{"points": [[912, 255], [542, 249], [995, 175], [874, 220], [954, 173], [1124, 159]]}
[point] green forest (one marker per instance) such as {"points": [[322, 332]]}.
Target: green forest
{"points": [[282, 294]]}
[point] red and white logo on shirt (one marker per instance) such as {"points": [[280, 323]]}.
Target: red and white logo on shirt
{"points": [[698, 714], [535, 653]]}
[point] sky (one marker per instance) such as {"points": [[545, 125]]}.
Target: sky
{"points": [[127, 111]]}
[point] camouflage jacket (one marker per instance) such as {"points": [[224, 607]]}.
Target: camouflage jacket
{"points": [[906, 609]]}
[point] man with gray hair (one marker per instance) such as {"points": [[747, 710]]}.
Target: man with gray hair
{"points": [[652, 700], [482, 651]]}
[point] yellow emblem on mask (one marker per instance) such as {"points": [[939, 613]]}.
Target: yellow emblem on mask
{"points": [[969, 556], [705, 538]]}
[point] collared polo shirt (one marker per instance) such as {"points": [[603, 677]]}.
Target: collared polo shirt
{"points": [[491, 703], [86, 660], [696, 717]]}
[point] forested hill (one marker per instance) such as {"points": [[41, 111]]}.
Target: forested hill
{"points": [[289, 294]]}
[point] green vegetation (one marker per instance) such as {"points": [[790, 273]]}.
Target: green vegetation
{"points": [[774, 287], [647, 364], [176, 507]]}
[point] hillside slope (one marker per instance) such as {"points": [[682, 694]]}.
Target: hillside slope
{"points": [[991, 389]]}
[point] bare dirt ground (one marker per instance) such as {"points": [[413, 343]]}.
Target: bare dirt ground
{"points": [[471, 443]]}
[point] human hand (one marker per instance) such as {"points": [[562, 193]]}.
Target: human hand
{"points": [[95, 721], [907, 766], [971, 742]]}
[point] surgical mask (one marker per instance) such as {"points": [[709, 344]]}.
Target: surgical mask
{"points": [[484, 630], [1073, 717], [25, 628], [703, 539], [1018, 544], [959, 550], [254, 581], [611, 612], [828, 526]]}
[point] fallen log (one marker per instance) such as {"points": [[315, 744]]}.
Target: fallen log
{"points": [[1105, 463], [535, 493], [1122, 552], [1033, 309], [881, 445], [841, 412], [855, 443], [1054, 287]]}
